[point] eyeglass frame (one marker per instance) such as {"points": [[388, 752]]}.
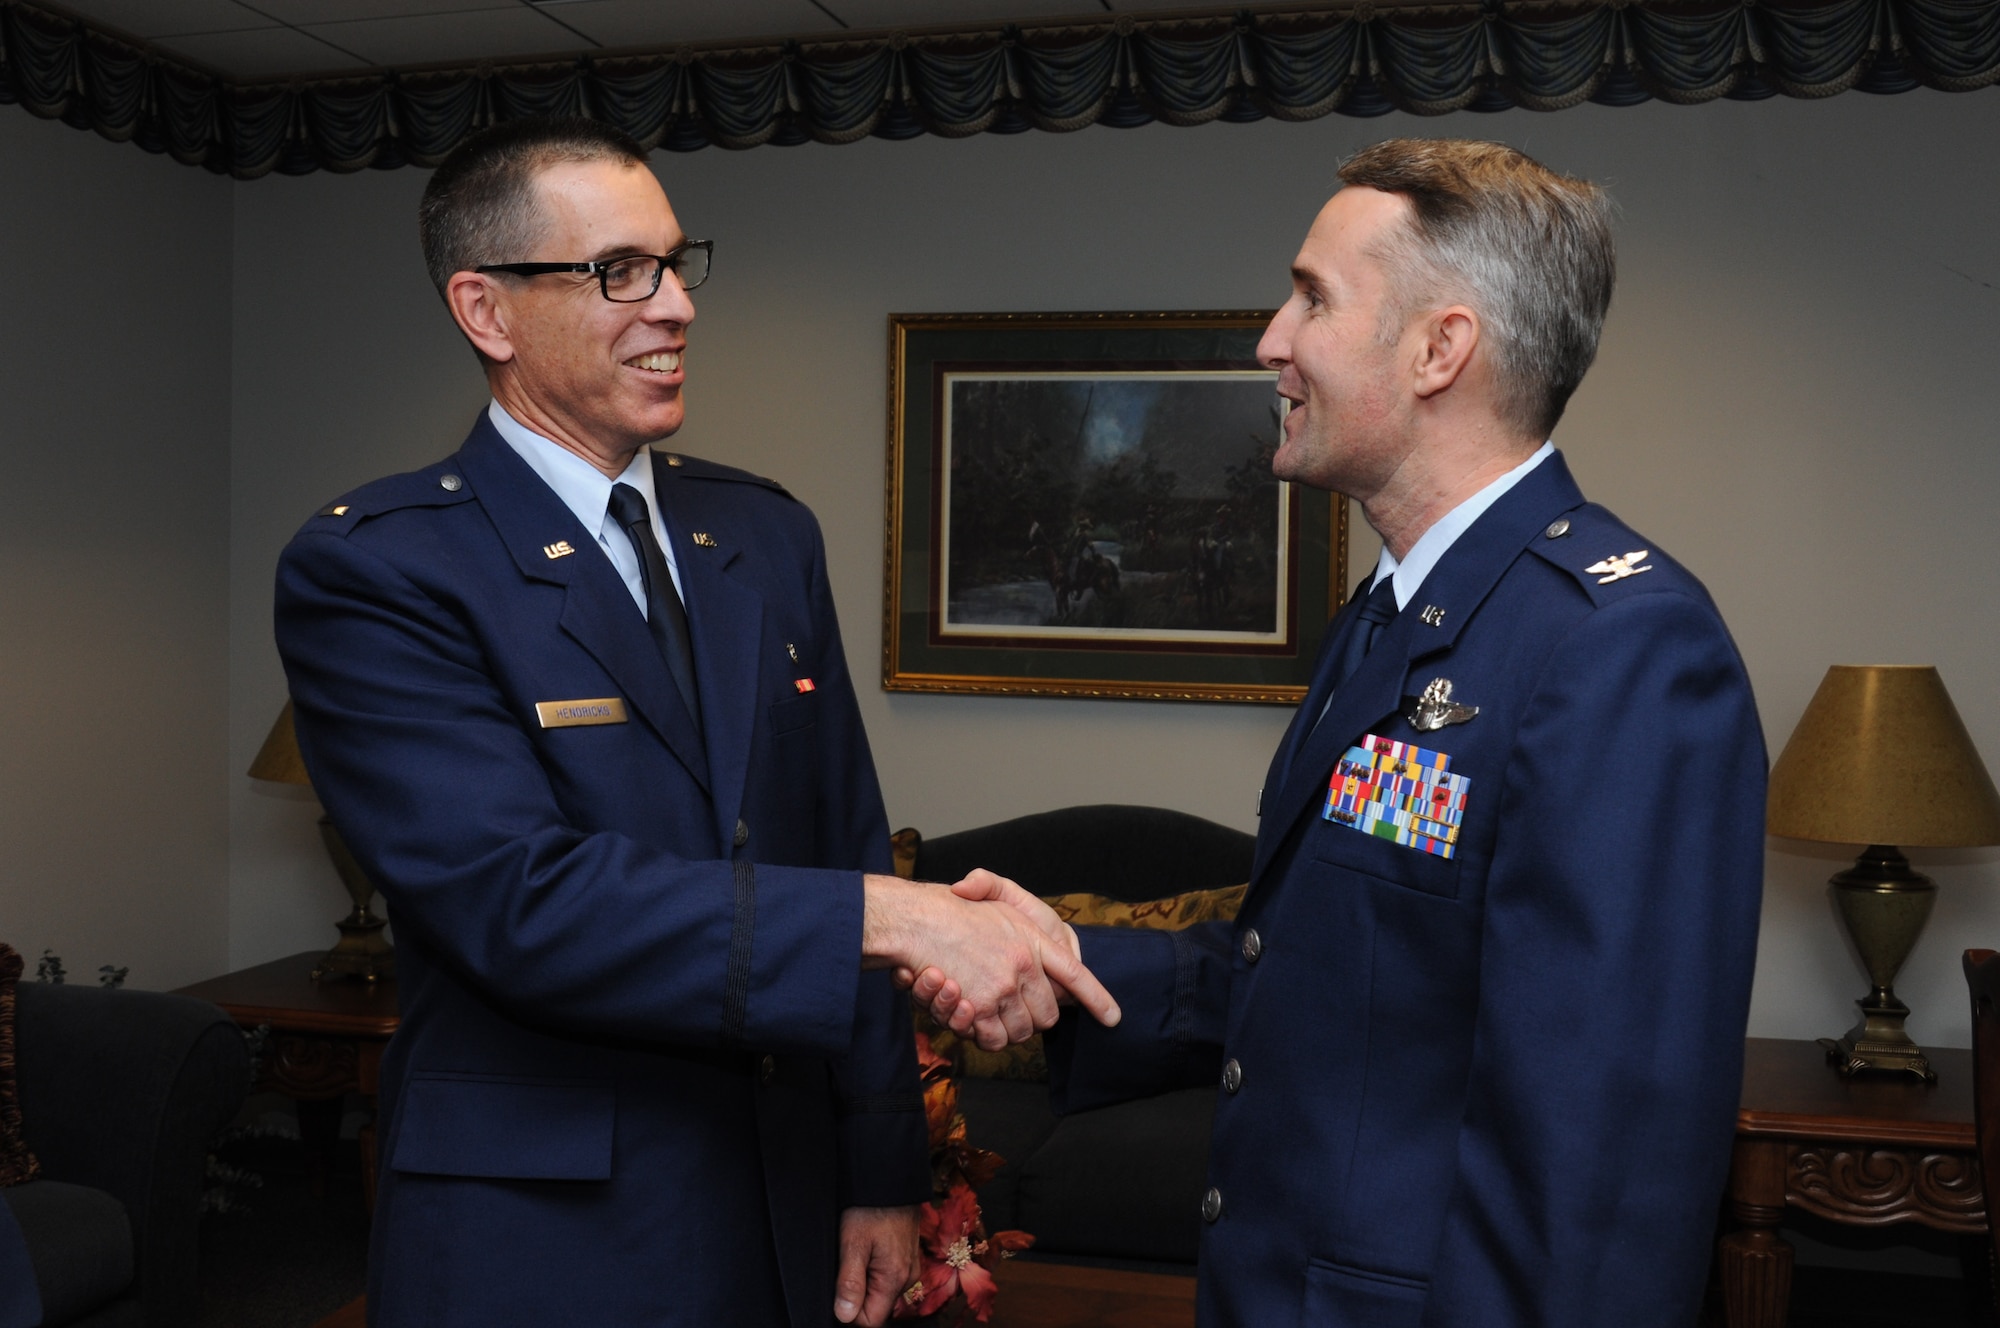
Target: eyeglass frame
{"points": [[601, 267]]}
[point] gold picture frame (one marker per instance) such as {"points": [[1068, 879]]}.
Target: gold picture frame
{"points": [[1080, 504]]}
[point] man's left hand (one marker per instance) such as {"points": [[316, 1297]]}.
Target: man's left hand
{"points": [[878, 1260]]}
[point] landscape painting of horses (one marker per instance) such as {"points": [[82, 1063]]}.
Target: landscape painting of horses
{"points": [[1082, 504], [1098, 507]]}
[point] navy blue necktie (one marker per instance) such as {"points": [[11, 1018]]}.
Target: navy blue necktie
{"points": [[1358, 635], [665, 617], [1377, 612]]}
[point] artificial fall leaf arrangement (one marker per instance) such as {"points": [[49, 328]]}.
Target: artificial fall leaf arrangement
{"points": [[958, 1253]]}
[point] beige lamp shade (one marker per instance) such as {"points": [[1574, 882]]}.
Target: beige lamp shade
{"points": [[278, 760], [1881, 757]]}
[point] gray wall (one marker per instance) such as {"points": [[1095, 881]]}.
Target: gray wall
{"points": [[1795, 397], [114, 471]]}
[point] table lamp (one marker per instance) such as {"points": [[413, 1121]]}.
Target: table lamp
{"points": [[1881, 758], [363, 952]]}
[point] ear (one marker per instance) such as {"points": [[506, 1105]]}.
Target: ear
{"points": [[479, 306], [1450, 336]]}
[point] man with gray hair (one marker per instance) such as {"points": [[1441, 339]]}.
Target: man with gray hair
{"points": [[1478, 1030]]}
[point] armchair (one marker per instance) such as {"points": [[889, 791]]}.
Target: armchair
{"points": [[121, 1093]]}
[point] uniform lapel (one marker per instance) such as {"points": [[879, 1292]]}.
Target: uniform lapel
{"points": [[598, 611], [1455, 587], [726, 624]]}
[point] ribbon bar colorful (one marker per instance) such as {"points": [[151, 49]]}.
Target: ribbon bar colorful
{"points": [[1398, 791]]}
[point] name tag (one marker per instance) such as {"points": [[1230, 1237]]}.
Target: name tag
{"points": [[571, 714]]}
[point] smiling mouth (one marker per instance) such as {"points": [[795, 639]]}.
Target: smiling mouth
{"points": [[661, 362]]}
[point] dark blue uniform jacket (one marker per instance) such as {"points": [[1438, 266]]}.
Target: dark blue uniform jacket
{"points": [[638, 1071], [1496, 1088]]}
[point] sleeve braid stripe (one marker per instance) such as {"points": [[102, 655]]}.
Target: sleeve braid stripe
{"points": [[736, 985], [1185, 968]]}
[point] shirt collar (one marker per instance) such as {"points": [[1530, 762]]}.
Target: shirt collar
{"points": [[584, 489], [1433, 543]]}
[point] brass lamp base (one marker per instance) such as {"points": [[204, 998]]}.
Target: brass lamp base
{"points": [[1878, 1043], [1885, 905], [364, 952]]}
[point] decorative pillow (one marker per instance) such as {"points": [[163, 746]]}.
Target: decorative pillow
{"points": [[1027, 1061], [17, 1164]]}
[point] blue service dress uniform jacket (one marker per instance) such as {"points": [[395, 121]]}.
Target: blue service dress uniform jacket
{"points": [[638, 1070], [1495, 1088]]}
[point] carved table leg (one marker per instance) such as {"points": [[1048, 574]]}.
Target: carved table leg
{"points": [[1756, 1260]]}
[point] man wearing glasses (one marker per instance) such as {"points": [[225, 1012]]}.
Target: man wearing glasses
{"points": [[582, 712]]}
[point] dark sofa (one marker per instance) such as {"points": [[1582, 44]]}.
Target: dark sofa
{"points": [[1122, 1182], [121, 1094]]}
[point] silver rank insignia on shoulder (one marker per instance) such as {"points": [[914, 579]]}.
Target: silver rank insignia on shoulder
{"points": [[1616, 568], [560, 549], [707, 541], [1435, 709]]}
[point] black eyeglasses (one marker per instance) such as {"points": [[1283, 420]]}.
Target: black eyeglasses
{"points": [[630, 279]]}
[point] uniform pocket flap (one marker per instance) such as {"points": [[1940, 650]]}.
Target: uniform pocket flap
{"points": [[1362, 1297], [505, 1129], [794, 712]]}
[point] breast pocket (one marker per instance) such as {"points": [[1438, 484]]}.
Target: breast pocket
{"points": [[505, 1128], [1402, 865]]}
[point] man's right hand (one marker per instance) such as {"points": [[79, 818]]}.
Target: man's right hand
{"points": [[1009, 971]]}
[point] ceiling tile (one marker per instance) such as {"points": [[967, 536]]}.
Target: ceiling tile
{"points": [[939, 13], [334, 11], [437, 38], [169, 18], [670, 22], [267, 53]]}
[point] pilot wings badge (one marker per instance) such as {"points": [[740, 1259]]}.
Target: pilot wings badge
{"points": [[1617, 568], [1435, 709]]}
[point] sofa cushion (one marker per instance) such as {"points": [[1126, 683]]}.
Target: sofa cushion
{"points": [[1122, 1182], [79, 1241], [1170, 914]]}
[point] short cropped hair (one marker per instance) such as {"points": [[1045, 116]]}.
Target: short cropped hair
{"points": [[1528, 249], [481, 206]]}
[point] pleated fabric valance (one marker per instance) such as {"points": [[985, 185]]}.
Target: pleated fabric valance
{"points": [[1358, 60]]}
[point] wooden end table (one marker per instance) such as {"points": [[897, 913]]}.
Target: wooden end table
{"points": [[326, 1041], [1867, 1151]]}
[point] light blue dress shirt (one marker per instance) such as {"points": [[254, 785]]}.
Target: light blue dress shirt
{"points": [[586, 491], [1433, 543]]}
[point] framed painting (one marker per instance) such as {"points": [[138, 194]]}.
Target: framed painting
{"points": [[1083, 505]]}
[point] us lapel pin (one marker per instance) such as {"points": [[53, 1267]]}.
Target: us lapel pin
{"points": [[703, 539], [560, 549]]}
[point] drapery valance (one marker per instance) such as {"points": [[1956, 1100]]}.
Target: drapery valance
{"points": [[1360, 59]]}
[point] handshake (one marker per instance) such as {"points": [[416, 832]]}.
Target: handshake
{"points": [[989, 959]]}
